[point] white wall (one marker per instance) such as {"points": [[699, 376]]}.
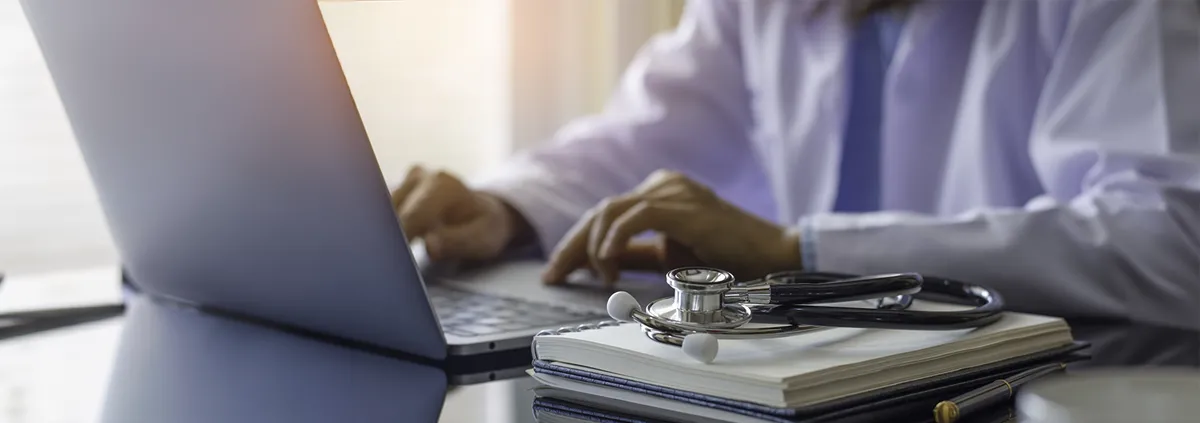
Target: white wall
{"points": [[48, 212]]}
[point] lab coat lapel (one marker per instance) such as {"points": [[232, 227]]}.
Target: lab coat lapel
{"points": [[991, 153], [807, 145], [921, 100]]}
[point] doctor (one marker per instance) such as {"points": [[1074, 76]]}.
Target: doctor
{"points": [[1049, 149]]}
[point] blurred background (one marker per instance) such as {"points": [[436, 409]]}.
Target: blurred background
{"points": [[455, 84]]}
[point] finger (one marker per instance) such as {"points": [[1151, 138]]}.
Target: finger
{"points": [[468, 241], [429, 201], [673, 186], [641, 255], [657, 179], [673, 191], [650, 255], [411, 179], [606, 213], [674, 254], [659, 254], [570, 253], [641, 217], [647, 215]]}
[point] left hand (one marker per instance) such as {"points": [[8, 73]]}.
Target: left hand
{"points": [[693, 223]]}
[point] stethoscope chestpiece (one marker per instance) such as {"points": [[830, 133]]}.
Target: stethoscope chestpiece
{"points": [[700, 280], [688, 318], [699, 300]]}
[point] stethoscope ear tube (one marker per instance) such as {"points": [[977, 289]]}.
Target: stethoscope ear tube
{"points": [[815, 288], [988, 305]]}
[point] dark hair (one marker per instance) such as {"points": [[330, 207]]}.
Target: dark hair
{"points": [[857, 10]]}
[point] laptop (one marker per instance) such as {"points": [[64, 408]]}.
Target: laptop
{"points": [[236, 176]]}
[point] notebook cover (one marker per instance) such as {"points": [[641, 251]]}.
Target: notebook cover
{"points": [[545, 407], [941, 387], [585, 413]]}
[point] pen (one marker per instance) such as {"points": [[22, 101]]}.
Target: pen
{"points": [[989, 395]]}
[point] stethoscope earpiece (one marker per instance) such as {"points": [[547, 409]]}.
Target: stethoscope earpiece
{"points": [[700, 346], [710, 304], [621, 306]]}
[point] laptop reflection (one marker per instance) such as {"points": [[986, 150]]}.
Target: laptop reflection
{"points": [[178, 365]]}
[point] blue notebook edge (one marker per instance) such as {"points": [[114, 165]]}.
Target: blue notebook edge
{"points": [[582, 412], [942, 386]]}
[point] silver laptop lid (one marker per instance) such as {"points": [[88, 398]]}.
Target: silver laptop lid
{"points": [[232, 165]]}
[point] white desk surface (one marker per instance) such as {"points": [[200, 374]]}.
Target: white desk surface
{"points": [[61, 376]]}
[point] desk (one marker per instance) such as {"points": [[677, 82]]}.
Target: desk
{"points": [[63, 375], [188, 367]]}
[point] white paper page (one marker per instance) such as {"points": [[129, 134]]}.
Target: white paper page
{"points": [[774, 360]]}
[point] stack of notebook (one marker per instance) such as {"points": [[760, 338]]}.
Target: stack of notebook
{"points": [[818, 376]]}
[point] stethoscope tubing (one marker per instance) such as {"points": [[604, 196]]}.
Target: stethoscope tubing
{"points": [[988, 305], [812, 288], [793, 312], [709, 305]]}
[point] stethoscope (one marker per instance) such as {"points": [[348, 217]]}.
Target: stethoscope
{"points": [[710, 304]]}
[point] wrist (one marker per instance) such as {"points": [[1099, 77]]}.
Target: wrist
{"points": [[791, 255], [516, 229]]}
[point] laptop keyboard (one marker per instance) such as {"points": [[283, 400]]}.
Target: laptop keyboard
{"points": [[466, 314]]}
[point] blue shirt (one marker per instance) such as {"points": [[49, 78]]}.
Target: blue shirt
{"points": [[874, 45]]}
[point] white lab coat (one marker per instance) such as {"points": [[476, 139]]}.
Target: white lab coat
{"points": [[1049, 149]]}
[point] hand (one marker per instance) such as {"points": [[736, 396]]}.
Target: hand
{"points": [[454, 221], [697, 226]]}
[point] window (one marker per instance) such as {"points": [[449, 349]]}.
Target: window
{"points": [[49, 217]]}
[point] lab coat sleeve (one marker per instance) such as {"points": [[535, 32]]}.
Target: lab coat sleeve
{"points": [[682, 105], [1116, 143]]}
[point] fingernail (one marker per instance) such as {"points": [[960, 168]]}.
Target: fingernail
{"points": [[549, 276]]}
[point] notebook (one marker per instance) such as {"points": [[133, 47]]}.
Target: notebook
{"points": [[555, 410], [802, 371], [915, 397]]}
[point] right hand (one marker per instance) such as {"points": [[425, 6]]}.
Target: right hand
{"points": [[454, 221]]}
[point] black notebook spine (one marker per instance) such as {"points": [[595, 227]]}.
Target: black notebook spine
{"points": [[570, 329]]}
